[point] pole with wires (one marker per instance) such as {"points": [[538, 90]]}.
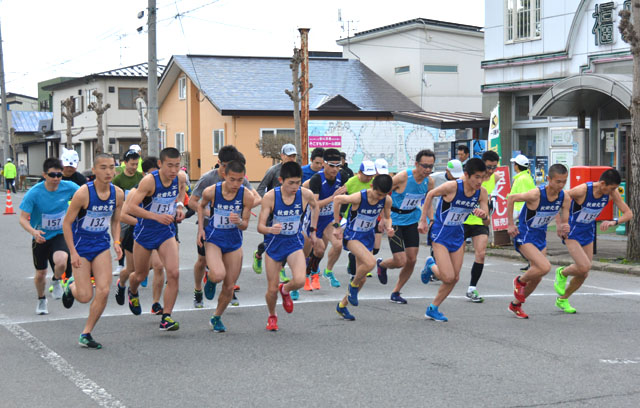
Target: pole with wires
{"points": [[6, 149], [152, 82]]}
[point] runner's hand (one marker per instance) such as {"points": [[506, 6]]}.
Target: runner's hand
{"points": [[235, 219], [423, 227], [606, 225], [313, 238], [563, 231], [38, 235], [276, 228], [200, 237], [480, 213], [75, 260], [340, 191], [118, 250], [165, 219], [390, 231], [180, 215], [513, 231], [337, 232]]}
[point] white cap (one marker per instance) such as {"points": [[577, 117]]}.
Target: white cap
{"points": [[288, 149], [70, 158], [521, 159], [135, 147], [382, 167], [368, 168], [455, 168], [9, 159]]}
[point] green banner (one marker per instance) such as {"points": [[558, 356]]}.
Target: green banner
{"points": [[494, 131]]}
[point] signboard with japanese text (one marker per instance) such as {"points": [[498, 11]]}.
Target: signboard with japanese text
{"points": [[499, 218], [325, 141]]}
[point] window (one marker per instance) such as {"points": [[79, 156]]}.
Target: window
{"points": [[218, 140], [180, 142], [288, 134], [127, 98], [162, 140], [522, 107], [182, 88], [78, 148], [522, 20], [90, 97], [441, 68], [77, 104], [401, 70]]}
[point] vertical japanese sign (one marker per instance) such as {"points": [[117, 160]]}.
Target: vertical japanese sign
{"points": [[499, 218], [494, 131], [604, 14]]}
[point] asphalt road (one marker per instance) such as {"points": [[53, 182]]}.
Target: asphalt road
{"points": [[390, 356]]}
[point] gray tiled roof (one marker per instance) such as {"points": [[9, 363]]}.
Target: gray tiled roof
{"points": [[139, 70], [258, 83], [28, 121]]}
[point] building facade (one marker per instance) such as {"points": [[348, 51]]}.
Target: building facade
{"points": [[561, 75], [434, 63]]}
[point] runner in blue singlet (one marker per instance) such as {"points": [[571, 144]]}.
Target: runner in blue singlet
{"points": [[94, 208]]}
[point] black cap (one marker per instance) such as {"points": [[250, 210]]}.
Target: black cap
{"points": [[343, 155], [331, 155]]}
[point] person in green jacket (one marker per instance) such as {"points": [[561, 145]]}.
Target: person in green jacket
{"points": [[522, 181], [10, 173]]}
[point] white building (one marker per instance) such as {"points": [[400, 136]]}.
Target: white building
{"points": [[556, 66], [436, 64], [121, 122]]}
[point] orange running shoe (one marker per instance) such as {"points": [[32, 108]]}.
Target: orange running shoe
{"points": [[315, 281], [518, 289], [287, 303], [307, 285], [517, 310], [236, 288], [272, 323]]}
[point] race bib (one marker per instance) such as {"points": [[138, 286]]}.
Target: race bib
{"points": [[221, 219], [96, 221], [456, 216], [163, 205], [541, 219], [52, 222], [290, 224], [364, 223], [411, 201], [588, 215], [327, 210]]}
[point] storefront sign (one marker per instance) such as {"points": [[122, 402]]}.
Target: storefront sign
{"points": [[325, 141], [610, 142], [499, 218], [603, 29], [494, 131], [542, 168], [561, 136]]}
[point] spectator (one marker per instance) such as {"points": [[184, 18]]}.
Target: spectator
{"points": [[10, 175], [463, 154], [23, 172], [344, 165]]}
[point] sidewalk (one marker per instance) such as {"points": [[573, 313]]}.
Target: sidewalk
{"points": [[611, 249]]}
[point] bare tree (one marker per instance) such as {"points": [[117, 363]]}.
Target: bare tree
{"points": [[99, 109], [629, 24], [270, 145], [69, 113], [141, 104], [296, 95]]}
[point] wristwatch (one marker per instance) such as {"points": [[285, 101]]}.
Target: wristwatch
{"points": [[336, 225], [312, 229]]}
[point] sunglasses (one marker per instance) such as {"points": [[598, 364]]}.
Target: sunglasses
{"points": [[426, 166], [55, 175], [333, 164], [492, 167], [131, 153]]}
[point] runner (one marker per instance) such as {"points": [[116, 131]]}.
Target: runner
{"points": [[458, 199], [154, 203], [230, 209], [148, 165], [478, 229], [358, 236], [43, 208], [409, 189], [315, 166], [325, 185], [226, 154], [94, 208], [282, 225], [593, 197], [542, 204]]}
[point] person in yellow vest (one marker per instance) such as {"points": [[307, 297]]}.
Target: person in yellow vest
{"points": [[138, 150], [522, 181], [478, 229], [10, 173]]}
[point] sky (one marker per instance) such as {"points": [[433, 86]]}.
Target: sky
{"points": [[44, 39]]}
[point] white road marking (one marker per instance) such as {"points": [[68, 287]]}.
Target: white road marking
{"points": [[620, 361], [83, 383]]}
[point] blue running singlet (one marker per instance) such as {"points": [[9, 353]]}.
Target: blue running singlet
{"points": [[151, 234], [532, 224], [448, 220], [91, 226], [582, 217], [362, 222], [220, 231], [326, 213], [290, 239]]}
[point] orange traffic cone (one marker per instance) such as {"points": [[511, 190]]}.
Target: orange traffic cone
{"points": [[9, 206]]}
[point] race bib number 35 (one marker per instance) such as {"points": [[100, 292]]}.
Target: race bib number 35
{"points": [[290, 224], [52, 222]]}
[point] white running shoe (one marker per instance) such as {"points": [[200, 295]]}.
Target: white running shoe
{"points": [[57, 289], [41, 309], [117, 271]]}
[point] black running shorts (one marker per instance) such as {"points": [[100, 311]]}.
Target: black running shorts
{"points": [[405, 236], [471, 231], [43, 253]]}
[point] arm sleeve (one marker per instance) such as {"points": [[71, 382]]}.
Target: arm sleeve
{"points": [[203, 183], [315, 184], [267, 182]]}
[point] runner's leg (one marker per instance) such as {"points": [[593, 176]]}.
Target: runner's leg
{"points": [[101, 268], [540, 266], [169, 255], [158, 276], [233, 264], [449, 264], [273, 279], [579, 270]]}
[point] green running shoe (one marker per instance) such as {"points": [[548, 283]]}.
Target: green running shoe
{"points": [[565, 306], [257, 263], [87, 341], [331, 278], [283, 276], [560, 284]]}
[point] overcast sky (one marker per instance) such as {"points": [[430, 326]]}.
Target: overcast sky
{"points": [[44, 39]]}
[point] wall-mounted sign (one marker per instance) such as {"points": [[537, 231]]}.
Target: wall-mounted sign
{"points": [[603, 29]]}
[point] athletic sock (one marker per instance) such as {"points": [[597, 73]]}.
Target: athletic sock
{"points": [[41, 297], [352, 264], [471, 289], [166, 315], [376, 250], [476, 272], [354, 286], [314, 262], [342, 304]]}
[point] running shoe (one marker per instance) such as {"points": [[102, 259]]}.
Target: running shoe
{"points": [[295, 295], [216, 324], [434, 314], [272, 323], [565, 306], [396, 298], [369, 274], [234, 300], [57, 289], [87, 341], [156, 309], [344, 313], [517, 310], [352, 297], [315, 281], [307, 284], [209, 289], [168, 324], [434, 278], [120, 293], [67, 296], [560, 284], [145, 282], [134, 302], [518, 290], [427, 271], [197, 299], [287, 303], [257, 262], [41, 308], [236, 288], [331, 278], [283, 276], [474, 297], [382, 272]]}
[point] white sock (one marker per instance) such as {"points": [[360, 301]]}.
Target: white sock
{"points": [[471, 289]]}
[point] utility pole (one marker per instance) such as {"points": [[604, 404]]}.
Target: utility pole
{"points": [[152, 82], [304, 86], [5, 122]]}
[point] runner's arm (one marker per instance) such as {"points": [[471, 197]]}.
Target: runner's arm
{"points": [[528, 197], [313, 203], [627, 214], [386, 216], [247, 205], [265, 210], [482, 211], [443, 190], [182, 191], [145, 189], [400, 180], [124, 214], [115, 222], [24, 223]]}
